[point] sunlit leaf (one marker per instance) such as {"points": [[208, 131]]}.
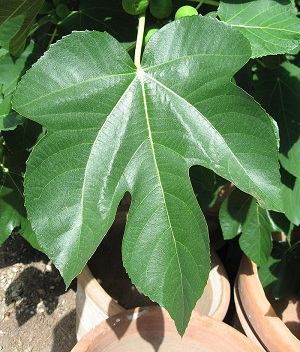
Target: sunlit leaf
{"points": [[271, 26], [113, 128]]}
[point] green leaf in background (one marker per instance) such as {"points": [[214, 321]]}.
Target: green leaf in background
{"points": [[206, 185], [11, 10], [113, 128], [14, 153], [278, 91], [281, 273], [240, 214], [268, 272], [11, 70], [291, 196], [11, 195], [9, 29], [233, 213], [105, 15], [255, 240], [271, 26]]}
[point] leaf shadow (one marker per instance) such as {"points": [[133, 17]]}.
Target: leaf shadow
{"points": [[33, 289], [38, 285], [147, 322]]}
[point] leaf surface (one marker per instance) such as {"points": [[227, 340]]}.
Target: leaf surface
{"points": [[270, 25], [113, 128]]}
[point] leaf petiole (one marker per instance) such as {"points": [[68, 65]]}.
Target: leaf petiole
{"points": [[139, 40]]}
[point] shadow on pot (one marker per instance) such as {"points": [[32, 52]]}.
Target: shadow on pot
{"points": [[153, 336]]}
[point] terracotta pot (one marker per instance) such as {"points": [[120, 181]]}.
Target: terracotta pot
{"points": [[269, 325], [94, 304], [152, 329]]}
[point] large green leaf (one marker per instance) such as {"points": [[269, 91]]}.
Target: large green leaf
{"points": [[114, 128], [12, 12], [271, 26], [278, 90]]}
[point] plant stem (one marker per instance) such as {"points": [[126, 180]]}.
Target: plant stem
{"points": [[208, 2], [199, 5], [293, 247], [212, 2], [139, 40], [52, 37]]}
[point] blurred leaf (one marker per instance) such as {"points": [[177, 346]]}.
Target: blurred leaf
{"points": [[9, 29], [11, 10]]}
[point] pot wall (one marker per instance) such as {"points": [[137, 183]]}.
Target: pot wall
{"points": [[151, 329], [257, 316]]}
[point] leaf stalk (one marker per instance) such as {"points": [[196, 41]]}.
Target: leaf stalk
{"points": [[139, 40]]}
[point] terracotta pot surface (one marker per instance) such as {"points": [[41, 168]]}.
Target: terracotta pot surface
{"points": [[258, 317], [152, 329]]}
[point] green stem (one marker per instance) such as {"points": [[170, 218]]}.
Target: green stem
{"points": [[199, 5], [208, 2], [212, 2], [52, 37], [40, 24], [293, 247], [139, 40]]}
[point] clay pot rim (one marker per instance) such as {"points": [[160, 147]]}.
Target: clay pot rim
{"points": [[254, 316], [223, 334], [218, 277]]}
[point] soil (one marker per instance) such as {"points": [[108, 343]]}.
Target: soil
{"points": [[37, 313]]}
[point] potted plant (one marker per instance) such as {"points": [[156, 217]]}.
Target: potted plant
{"points": [[121, 113]]}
